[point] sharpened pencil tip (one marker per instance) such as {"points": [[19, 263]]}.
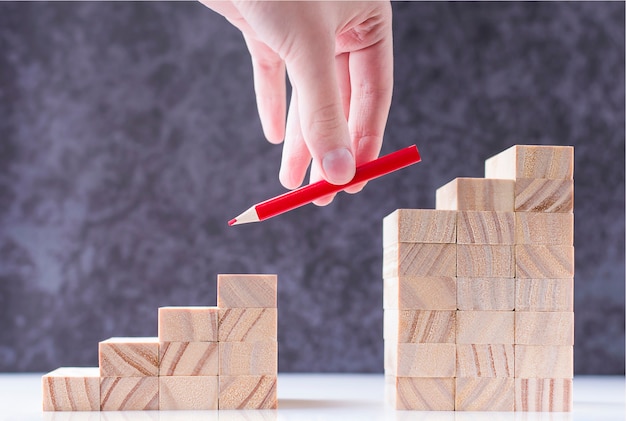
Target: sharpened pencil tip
{"points": [[232, 222]]}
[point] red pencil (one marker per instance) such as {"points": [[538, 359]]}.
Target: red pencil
{"points": [[306, 194]]}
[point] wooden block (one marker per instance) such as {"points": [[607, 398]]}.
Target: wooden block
{"points": [[550, 361], [485, 293], [189, 359], [543, 195], [419, 226], [424, 394], [544, 395], [248, 324], [246, 291], [419, 326], [477, 194], [188, 392], [71, 389], [484, 394], [485, 227], [424, 360], [485, 360], [485, 327], [188, 324], [390, 357], [544, 328], [544, 294], [485, 261], [532, 161], [129, 357], [541, 261], [248, 358], [419, 260], [425, 293], [544, 228], [129, 393], [248, 392]]}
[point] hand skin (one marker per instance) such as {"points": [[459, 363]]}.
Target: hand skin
{"points": [[339, 59]]}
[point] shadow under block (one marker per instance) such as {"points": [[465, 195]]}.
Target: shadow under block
{"points": [[419, 260], [485, 294], [188, 324], [129, 357], [485, 227], [247, 392], [532, 161], [419, 326], [71, 389], [484, 394], [248, 358], [485, 360], [246, 291], [420, 360], [188, 392], [544, 294], [543, 195], [485, 327], [485, 261], [544, 328], [189, 359], [129, 393], [544, 228], [248, 324], [542, 261], [477, 194], [550, 361], [545, 395], [425, 293], [424, 394], [419, 226]]}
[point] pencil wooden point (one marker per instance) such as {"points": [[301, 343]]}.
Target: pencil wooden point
{"points": [[246, 217]]}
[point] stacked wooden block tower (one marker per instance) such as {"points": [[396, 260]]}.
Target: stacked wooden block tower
{"points": [[478, 293], [223, 357]]}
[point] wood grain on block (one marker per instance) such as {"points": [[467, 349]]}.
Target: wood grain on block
{"points": [[188, 324], [248, 392], [543, 362], [419, 326], [477, 194], [423, 293], [71, 389], [129, 393], [424, 394], [419, 260], [188, 392], [544, 328], [544, 395], [426, 360], [485, 327], [544, 228], [419, 226], [485, 394], [485, 261], [248, 358], [543, 195], [485, 227], [246, 291], [544, 294], [189, 359], [541, 261], [485, 360], [532, 161], [248, 324], [129, 357], [485, 293]]}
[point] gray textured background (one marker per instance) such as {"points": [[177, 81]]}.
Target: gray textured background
{"points": [[129, 136]]}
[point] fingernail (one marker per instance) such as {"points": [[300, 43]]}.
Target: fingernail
{"points": [[339, 166]]}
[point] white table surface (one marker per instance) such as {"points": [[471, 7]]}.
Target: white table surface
{"points": [[322, 397]]}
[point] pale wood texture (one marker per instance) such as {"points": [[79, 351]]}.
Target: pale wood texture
{"points": [[485, 327], [543, 195], [544, 328], [544, 228], [485, 227], [419, 226], [477, 194], [532, 161], [189, 359], [188, 324], [423, 360], [248, 324], [188, 393], [544, 395], [419, 260], [485, 261], [485, 293], [544, 294], [71, 389], [420, 293], [129, 393], [424, 394], [550, 361], [129, 357], [485, 394], [485, 360], [541, 261], [248, 358], [246, 291], [247, 392], [419, 326]]}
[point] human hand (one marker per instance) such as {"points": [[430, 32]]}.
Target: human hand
{"points": [[339, 59]]}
